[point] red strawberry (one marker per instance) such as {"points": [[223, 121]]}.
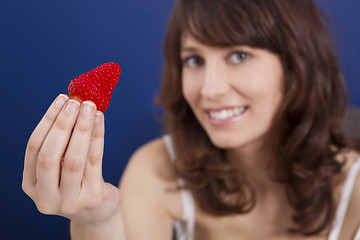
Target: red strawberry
{"points": [[96, 85]]}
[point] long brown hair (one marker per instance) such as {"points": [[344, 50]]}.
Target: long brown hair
{"points": [[306, 133]]}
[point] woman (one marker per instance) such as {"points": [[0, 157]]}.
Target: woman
{"points": [[253, 98]]}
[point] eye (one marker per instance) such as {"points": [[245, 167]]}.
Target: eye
{"points": [[193, 61], [239, 57]]}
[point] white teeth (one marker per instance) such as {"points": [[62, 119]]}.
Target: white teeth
{"points": [[227, 113]]}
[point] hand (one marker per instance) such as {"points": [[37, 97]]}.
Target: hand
{"points": [[63, 164]]}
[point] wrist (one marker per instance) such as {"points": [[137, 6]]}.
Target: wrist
{"points": [[111, 229]]}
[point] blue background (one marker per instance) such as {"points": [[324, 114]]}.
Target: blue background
{"points": [[44, 44]]}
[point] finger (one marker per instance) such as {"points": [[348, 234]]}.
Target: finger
{"points": [[93, 169], [48, 164], [36, 141], [72, 171]]}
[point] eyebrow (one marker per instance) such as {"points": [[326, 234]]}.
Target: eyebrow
{"points": [[188, 49]]}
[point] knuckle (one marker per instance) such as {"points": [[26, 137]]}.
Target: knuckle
{"points": [[83, 128], [99, 134], [93, 158], [27, 189], [62, 124], [45, 161], [45, 208], [50, 115], [68, 209], [73, 165], [34, 145]]}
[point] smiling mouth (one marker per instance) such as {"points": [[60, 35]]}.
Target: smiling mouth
{"points": [[228, 113]]}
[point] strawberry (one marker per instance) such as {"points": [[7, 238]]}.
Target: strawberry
{"points": [[96, 85]]}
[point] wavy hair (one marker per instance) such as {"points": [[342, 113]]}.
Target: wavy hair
{"points": [[306, 133]]}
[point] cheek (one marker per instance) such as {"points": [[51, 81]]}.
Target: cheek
{"points": [[274, 86], [190, 89], [266, 84], [186, 90], [269, 97], [263, 90]]}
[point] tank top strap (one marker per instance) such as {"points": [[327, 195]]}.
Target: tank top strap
{"points": [[344, 202], [357, 235], [185, 227], [169, 146]]}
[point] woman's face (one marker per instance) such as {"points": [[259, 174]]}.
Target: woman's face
{"points": [[234, 91]]}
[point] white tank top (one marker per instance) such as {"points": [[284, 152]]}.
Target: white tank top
{"points": [[184, 228]]}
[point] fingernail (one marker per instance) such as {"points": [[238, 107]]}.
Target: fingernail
{"points": [[87, 108], [72, 106], [97, 117], [61, 100]]}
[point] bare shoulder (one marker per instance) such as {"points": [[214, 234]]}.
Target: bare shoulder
{"points": [[148, 188], [151, 161]]}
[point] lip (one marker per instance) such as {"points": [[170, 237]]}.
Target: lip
{"points": [[227, 121], [221, 108]]}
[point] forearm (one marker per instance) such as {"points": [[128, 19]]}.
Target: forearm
{"points": [[112, 230]]}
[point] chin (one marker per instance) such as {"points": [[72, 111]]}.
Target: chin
{"points": [[227, 142], [237, 140]]}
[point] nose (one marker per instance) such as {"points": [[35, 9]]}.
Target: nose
{"points": [[215, 83]]}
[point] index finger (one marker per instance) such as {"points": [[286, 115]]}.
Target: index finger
{"points": [[37, 139]]}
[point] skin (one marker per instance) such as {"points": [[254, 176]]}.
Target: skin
{"points": [[62, 168], [239, 76], [63, 161], [218, 78]]}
